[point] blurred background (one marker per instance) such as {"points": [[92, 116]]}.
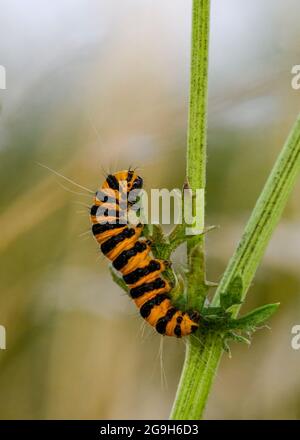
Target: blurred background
{"points": [[98, 85]]}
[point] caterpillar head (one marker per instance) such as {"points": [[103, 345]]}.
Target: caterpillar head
{"points": [[134, 184], [124, 178]]}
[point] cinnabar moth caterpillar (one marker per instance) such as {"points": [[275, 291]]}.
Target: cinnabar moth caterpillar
{"points": [[131, 255]]}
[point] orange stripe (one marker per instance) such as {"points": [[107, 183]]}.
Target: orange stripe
{"points": [[135, 261], [158, 312], [124, 245], [149, 295]]}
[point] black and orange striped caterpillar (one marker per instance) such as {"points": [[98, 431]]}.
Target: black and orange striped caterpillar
{"points": [[131, 255]]}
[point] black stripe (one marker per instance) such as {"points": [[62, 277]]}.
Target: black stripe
{"points": [[108, 212], [99, 211], [100, 228], [112, 182], [146, 308], [129, 175], [120, 221], [104, 197], [125, 256], [138, 183], [140, 272], [194, 315], [112, 242], [177, 331], [179, 319], [162, 322], [136, 292], [94, 210], [194, 328]]}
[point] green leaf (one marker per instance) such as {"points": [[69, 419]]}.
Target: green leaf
{"points": [[255, 318], [239, 338], [233, 294], [212, 311]]}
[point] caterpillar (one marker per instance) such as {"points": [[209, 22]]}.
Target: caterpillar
{"points": [[131, 256]]}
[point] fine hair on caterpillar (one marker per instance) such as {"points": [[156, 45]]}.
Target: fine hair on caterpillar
{"points": [[66, 179], [131, 255]]}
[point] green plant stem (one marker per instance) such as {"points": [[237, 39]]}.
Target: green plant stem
{"points": [[196, 355], [201, 364], [196, 143], [197, 122], [265, 215]]}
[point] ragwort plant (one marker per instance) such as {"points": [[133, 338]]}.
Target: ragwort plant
{"points": [[220, 321]]}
